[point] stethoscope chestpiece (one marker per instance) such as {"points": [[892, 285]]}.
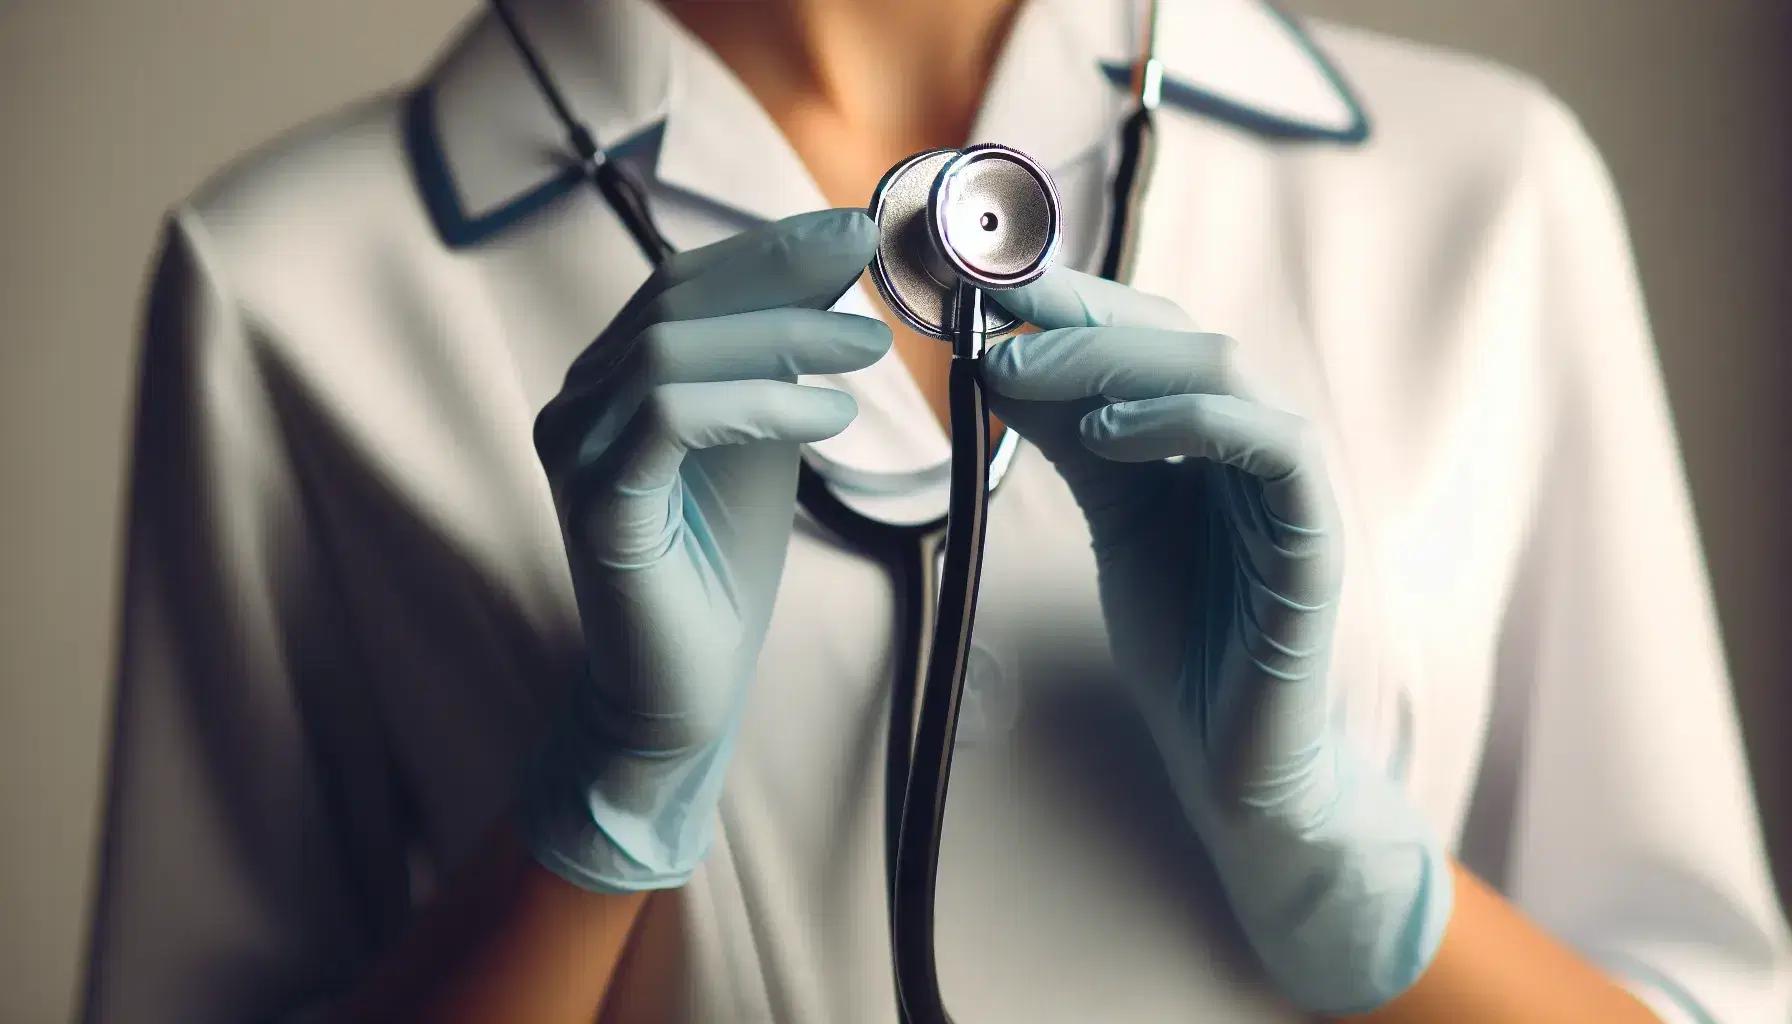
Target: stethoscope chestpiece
{"points": [[986, 216]]}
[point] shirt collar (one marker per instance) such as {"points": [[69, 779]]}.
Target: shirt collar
{"points": [[487, 149]]}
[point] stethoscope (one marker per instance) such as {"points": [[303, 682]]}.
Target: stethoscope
{"points": [[954, 225]]}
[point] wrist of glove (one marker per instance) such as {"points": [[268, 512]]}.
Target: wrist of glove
{"points": [[1343, 893], [610, 812], [1220, 569]]}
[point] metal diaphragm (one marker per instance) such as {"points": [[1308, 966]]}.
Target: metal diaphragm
{"points": [[988, 216]]}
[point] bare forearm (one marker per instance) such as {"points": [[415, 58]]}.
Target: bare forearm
{"points": [[1497, 967], [506, 941]]}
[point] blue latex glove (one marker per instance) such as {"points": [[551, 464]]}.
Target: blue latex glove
{"points": [[672, 451], [1219, 580]]}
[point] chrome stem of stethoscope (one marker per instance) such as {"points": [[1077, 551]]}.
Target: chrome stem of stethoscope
{"points": [[968, 332]]}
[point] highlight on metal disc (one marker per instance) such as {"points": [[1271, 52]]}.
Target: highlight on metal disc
{"points": [[987, 215], [995, 217]]}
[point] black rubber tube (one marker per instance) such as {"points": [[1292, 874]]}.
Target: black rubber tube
{"points": [[1138, 140], [924, 803]]}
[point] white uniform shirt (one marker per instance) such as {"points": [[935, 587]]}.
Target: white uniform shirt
{"points": [[347, 611]]}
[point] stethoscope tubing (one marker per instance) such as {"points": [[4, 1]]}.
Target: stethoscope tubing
{"points": [[916, 869]]}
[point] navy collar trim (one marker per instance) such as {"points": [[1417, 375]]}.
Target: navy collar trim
{"points": [[1181, 95], [460, 229]]}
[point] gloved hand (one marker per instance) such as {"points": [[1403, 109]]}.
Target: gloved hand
{"points": [[1219, 578], [672, 452]]}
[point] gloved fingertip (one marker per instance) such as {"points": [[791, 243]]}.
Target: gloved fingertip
{"points": [[1047, 302], [878, 333], [829, 249], [839, 218], [1101, 428], [878, 340], [1130, 432], [847, 231], [835, 411], [1001, 363], [860, 220]]}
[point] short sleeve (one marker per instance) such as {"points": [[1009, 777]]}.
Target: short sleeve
{"points": [[247, 866], [1636, 832]]}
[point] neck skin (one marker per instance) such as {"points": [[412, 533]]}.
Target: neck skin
{"points": [[905, 75], [857, 86]]}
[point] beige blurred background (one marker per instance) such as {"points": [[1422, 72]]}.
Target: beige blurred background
{"points": [[112, 109]]}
